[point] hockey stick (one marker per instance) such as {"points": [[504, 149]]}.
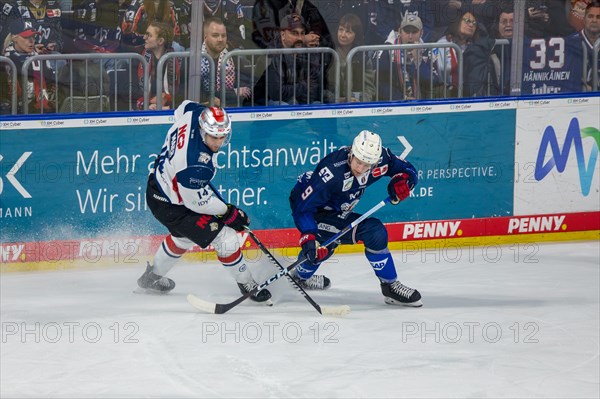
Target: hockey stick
{"points": [[220, 308], [326, 310]]}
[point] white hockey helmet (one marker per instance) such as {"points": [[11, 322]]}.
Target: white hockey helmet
{"points": [[367, 147], [215, 122]]}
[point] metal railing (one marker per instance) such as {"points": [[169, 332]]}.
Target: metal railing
{"points": [[239, 53], [248, 64], [87, 58], [376, 50], [503, 44], [595, 71], [160, 68], [13, 83]]}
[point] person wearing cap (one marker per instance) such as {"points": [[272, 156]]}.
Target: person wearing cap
{"points": [[21, 46], [412, 74], [46, 18], [288, 78], [323, 203], [268, 15]]}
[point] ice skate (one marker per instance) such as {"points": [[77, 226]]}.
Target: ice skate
{"points": [[315, 282], [397, 293], [153, 283], [262, 296]]}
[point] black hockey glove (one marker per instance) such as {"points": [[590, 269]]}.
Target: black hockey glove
{"points": [[314, 254], [399, 187], [235, 218]]}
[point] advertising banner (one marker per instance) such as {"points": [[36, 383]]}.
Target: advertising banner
{"points": [[86, 178], [556, 156]]}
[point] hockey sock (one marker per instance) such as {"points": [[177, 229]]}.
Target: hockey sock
{"points": [[169, 253], [237, 266], [306, 270], [383, 264]]}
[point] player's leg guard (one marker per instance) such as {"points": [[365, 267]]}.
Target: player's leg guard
{"points": [[165, 258], [227, 246], [169, 253], [304, 274], [382, 262], [394, 292]]}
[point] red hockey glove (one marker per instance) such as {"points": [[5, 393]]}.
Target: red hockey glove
{"points": [[313, 254], [235, 218], [399, 187]]}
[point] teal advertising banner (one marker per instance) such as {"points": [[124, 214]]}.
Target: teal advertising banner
{"points": [[87, 177]]}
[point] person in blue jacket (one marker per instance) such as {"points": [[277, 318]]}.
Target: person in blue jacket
{"points": [[322, 202]]}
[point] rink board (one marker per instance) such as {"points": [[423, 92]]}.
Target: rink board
{"points": [[74, 188]]}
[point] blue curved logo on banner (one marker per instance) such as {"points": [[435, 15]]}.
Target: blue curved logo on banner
{"points": [[559, 158]]}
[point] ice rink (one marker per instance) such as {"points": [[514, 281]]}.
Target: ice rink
{"points": [[510, 321]]}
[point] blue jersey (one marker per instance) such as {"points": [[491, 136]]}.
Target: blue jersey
{"points": [[552, 65], [333, 187]]}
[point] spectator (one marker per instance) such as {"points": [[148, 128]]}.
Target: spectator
{"points": [[183, 16], [350, 34], [8, 11], [478, 70], [443, 13], [501, 57], [215, 45], [45, 17], [97, 27], [552, 65], [158, 40], [486, 11], [461, 32], [588, 36], [386, 14], [137, 18], [20, 46], [546, 19], [288, 78], [577, 13], [237, 17], [314, 22], [333, 10], [269, 15], [406, 75]]}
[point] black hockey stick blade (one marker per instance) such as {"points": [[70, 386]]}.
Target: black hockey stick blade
{"points": [[324, 310], [220, 308]]}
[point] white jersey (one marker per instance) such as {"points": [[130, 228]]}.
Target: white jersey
{"points": [[186, 166]]}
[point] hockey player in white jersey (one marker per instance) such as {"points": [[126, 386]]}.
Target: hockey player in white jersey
{"points": [[180, 196]]}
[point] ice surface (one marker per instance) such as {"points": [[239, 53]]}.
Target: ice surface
{"points": [[511, 321]]}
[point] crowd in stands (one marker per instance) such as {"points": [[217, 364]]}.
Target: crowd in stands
{"points": [[559, 35]]}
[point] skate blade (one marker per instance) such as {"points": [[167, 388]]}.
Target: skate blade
{"points": [[146, 291], [416, 304]]}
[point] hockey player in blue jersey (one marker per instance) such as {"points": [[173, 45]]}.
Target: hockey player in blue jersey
{"points": [[180, 196], [322, 202]]}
